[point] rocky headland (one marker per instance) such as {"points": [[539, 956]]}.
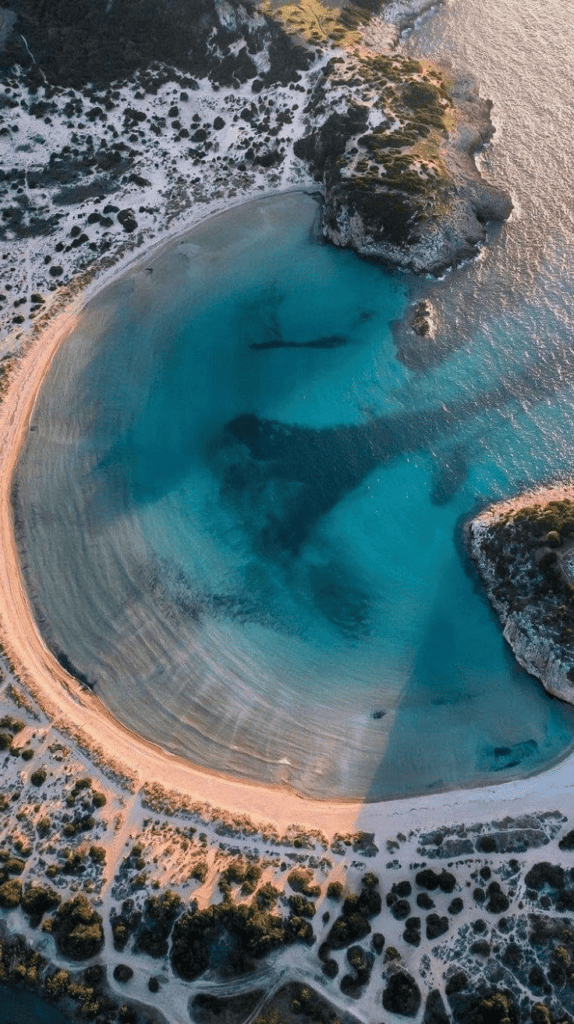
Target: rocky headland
{"points": [[397, 165], [124, 898], [523, 551], [121, 122]]}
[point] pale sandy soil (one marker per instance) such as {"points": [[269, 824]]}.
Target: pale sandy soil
{"points": [[534, 497]]}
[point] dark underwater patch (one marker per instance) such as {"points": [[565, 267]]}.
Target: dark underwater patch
{"points": [[327, 341], [344, 603], [312, 470], [450, 473], [69, 667], [502, 758]]}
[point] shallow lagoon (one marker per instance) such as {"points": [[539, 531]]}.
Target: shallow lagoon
{"points": [[240, 520]]}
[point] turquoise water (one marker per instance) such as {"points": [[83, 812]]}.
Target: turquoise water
{"points": [[240, 515], [19, 1007]]}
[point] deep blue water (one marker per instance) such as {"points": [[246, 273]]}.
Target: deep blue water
{"points": [[242, 516], [19, 1007]]}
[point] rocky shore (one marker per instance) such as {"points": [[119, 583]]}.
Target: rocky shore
{"points": [[120, 123], [523, 553], [398, 172]]}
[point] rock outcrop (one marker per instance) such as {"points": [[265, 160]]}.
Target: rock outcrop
{"points": [[522, 551], [398, 171]]}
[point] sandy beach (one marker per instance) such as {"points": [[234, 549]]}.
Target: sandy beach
{"points": [[65, 699], [265, 821], [452, 895]]}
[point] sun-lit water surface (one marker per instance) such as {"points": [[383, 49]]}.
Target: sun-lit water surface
{"points": [[241, 512]]}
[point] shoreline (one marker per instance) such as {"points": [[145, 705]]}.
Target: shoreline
{"points": [[529, 597], [156, 803], [72, 697], [15, 412], [79, 716]]}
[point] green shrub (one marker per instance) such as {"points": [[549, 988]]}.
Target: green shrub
{"points": [[57, 984], [267, 896], [37, 899], [300, 907], [301, 880], [120, 931], [199, 871], [10, 893], [14, 724], [78, 929], [82, 784], [15, 865]]}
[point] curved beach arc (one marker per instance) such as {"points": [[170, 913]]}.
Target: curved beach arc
{"points": [[67, 702], [60, 695]]}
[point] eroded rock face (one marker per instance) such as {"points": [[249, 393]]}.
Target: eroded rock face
{"points": [[402, 186], [521, 549]]}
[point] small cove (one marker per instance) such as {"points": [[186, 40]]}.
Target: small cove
{"points": [[239, 516]]}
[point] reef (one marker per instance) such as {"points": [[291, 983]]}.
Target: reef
{"points": [[523, 553]]}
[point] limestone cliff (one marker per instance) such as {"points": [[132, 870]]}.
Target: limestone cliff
{"points": [[522, 550], [397, 162]]}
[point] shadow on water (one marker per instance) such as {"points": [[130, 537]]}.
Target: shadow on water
{"points": [[470, 744], [292, 476], [261, 317], [265, 483]]}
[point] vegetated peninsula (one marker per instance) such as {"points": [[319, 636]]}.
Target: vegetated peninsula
{"points": [[523, 549], [119, 121]]}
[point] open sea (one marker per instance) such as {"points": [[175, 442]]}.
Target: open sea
{"points": [[240, 505]]}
